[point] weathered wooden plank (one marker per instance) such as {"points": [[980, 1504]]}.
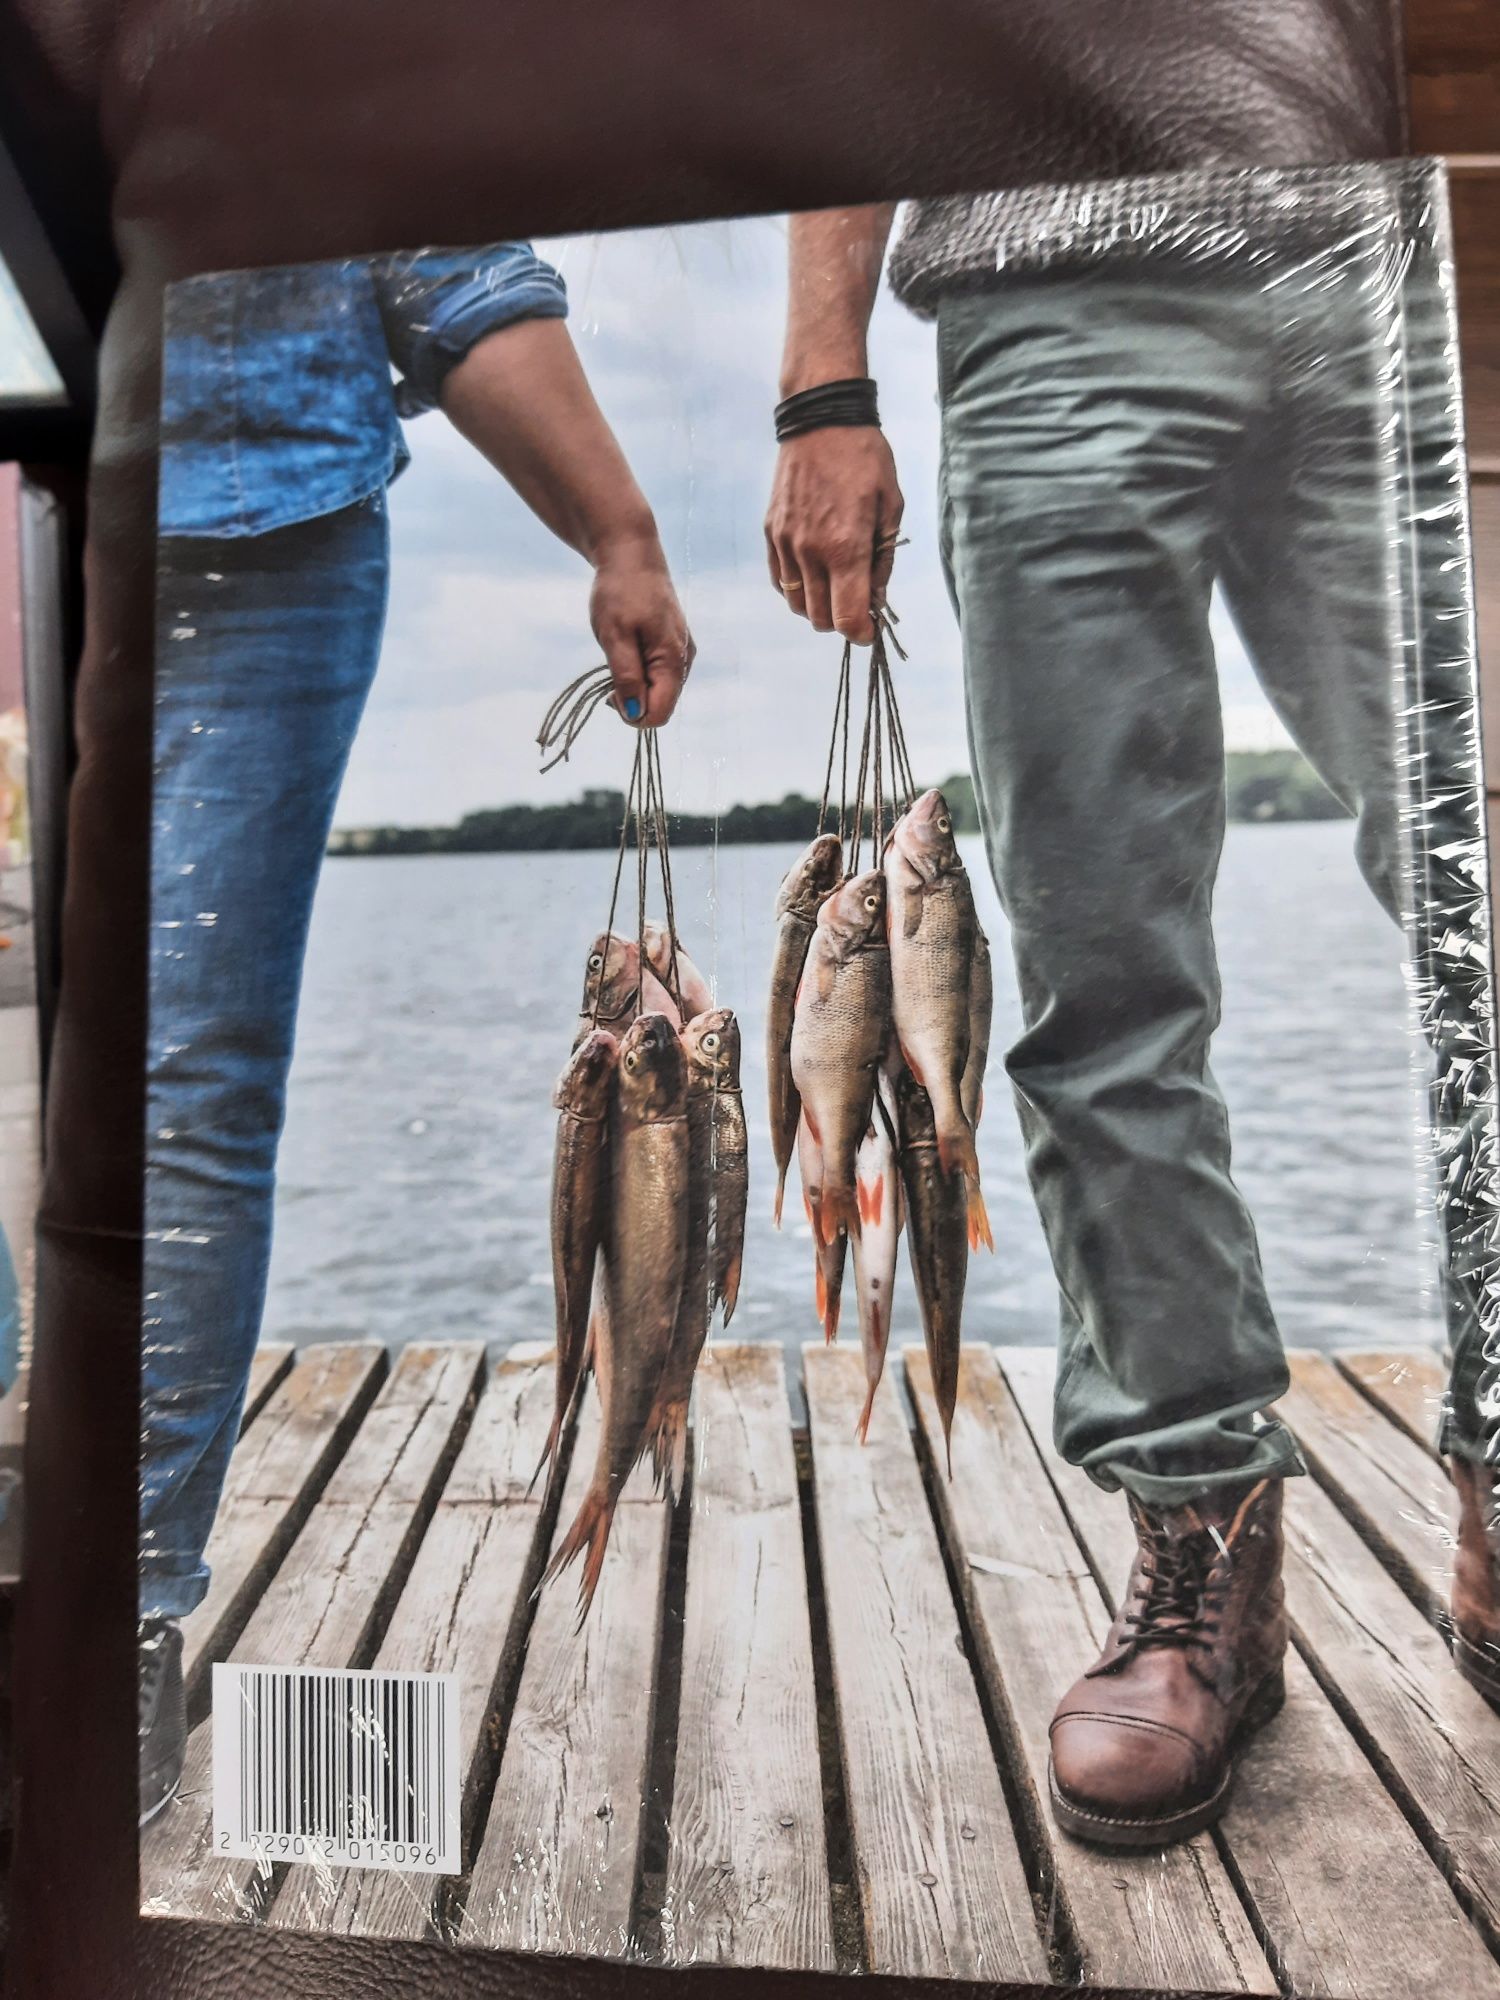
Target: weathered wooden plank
{"points": [[558, 1863], [1484, 516], [1435, 1741], [1170, 1920], [942, 1888], [1453, 69], [1474, 192], [279, 1467], [463, 1612], [325, 1605], [268, 1364], [1341, 1888], [1409, 1387], [747, 1864], [1395, 1493]]}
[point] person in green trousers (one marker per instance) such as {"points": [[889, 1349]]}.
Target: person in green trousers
{"points": [[1133, 413]]}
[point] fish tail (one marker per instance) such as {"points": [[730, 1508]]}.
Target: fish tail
{"points": [[729, 1289], [589, 1537], [862, 1427], [955, 1147], [679, 1452], [839, 1208], [548, 1459], [956, 1154], [669, 1451], [979, 1219], [820, 1298], [946, 1403]]}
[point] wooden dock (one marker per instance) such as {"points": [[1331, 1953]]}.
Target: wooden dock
{"points": [[806, 1722]]}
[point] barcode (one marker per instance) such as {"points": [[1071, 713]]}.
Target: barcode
{"points": [[347, 1769]]}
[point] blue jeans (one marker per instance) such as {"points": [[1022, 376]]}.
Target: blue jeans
{"points": [[266, 648]]}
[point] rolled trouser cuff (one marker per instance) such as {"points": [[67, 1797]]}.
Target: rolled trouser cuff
{"points": [[167, 1595], [1272, 1453]]}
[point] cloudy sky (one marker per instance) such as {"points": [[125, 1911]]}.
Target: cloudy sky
{"points": [[679, 330]]}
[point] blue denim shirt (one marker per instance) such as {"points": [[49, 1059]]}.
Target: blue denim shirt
{"points": [[278, 399]]}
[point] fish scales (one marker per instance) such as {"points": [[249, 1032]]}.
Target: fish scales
{"points": [[840, 1030], [645, 1258], [810, 879]]}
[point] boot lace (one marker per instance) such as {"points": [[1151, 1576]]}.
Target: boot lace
{"points": [[1180, 1597]]}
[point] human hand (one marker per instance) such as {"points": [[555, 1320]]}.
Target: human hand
{"points": [[832, 526], [638, 621]]}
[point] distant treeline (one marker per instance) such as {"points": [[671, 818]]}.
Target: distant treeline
{"points": [[1263, 785]]}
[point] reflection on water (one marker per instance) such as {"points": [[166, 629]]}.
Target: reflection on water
{"points": [[439, 1006]]}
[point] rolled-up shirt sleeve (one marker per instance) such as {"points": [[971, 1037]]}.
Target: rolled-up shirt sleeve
{"points": [[436, 304]]}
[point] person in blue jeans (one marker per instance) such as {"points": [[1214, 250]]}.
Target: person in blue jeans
{"points": [[283, 394]]}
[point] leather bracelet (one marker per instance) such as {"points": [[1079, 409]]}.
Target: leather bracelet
{"points": [[848, 402]]}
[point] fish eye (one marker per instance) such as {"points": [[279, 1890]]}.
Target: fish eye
{"points": [[945, 825], [711, 1042], [872, 903], [596, 959], [631, 1060]]}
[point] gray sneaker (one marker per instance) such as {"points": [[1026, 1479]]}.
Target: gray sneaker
{"points": [[161, 1713]]}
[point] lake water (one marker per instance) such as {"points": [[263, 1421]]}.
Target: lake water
{"points": [[439, 1005]]}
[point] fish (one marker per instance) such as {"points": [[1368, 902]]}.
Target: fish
{"points": [[811, 878], [580, 1202], [711, 1045], [933, 928], [615, 989], [877, 1180], [981, 1008], [937, 1242], [717, 1057], [678, 975], [840, 1027], [828, 1269], [645, 1261]]}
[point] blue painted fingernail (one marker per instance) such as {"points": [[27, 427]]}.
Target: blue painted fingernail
{"points": [[632, 709]]}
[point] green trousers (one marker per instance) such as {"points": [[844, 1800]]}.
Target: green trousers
{"points": [[1115, 442]]}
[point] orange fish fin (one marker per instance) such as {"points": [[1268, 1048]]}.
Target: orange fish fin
{"points": [[915, 1068], [780, 1197], [979, 1219]]}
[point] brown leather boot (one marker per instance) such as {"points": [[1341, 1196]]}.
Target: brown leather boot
{"points": [[1143, 1744], [1476, 1578]]}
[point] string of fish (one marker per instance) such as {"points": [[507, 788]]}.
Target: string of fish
{"points": [[650, 1168], [878, 1032]]}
